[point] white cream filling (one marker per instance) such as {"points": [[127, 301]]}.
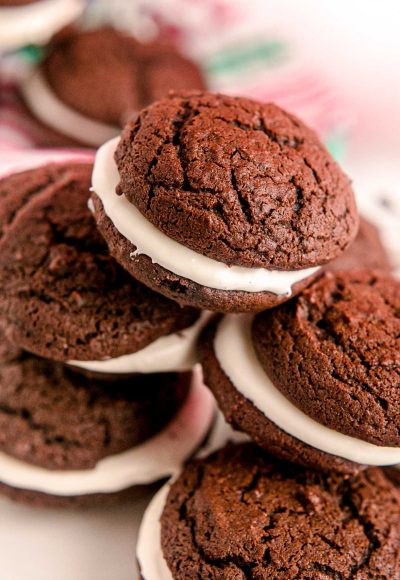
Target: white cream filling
{"points": [[49, 109], [36, 23], [172, 255], [149, 553], [148, 550], [236, 355], [157, 458], [174, 352], [153, 565]]}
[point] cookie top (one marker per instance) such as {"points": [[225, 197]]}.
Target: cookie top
{"points": [[367, 251], [253, 415], [128, 74], [62, 295], [241, 513], [241, 182], [334, 353], [55, 417]]}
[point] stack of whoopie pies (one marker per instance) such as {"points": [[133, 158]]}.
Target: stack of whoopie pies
{"points": [[235, 206], [232, 206], [97, 389]]}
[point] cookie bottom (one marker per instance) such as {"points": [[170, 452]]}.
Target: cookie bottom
{"points": [[393, 473], [181, 290], [44, 500], [244, 416]]}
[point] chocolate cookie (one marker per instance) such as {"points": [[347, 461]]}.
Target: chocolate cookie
{"points": [[237, 202], [244, 415], [56, 418], [68, 439], [334, 353], [37, 499], [241, 513], [367, 251], [129, 76], [62, 295], [281, 377]]}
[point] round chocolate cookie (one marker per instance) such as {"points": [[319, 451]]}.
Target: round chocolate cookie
{"points": [[37, 499], [141, 72], [69, 440], [57, 418], [62, 295], [128, 75], [269, 172], [243, 194], [367, 251], [314, 381], [241, 513], [240, 412], [334, 353]]}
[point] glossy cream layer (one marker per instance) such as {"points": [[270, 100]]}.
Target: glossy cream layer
{"points": [[49, 109], [173, 256], [157, 458], [174, 352], [237, 358]]}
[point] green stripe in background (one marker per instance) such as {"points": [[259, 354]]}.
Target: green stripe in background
{"points": [[31, 53], [336, 142], [236, 58]]}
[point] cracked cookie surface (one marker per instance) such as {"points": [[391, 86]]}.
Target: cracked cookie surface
{"points": [[62, 295], [238, 181], [182, 290], [242, 514], [334, 352], [244, 416], [59, 418]]}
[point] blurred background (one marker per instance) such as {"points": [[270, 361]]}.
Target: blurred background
{"points": [[335, 64]]}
